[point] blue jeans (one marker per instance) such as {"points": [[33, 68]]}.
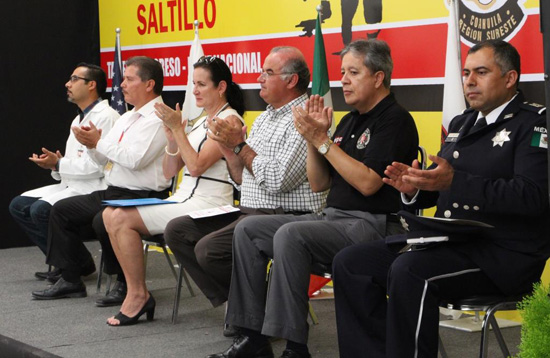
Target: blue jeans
{"points": [[33, 216]]}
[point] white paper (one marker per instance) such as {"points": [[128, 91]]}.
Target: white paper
{"points": [[426, 240], [220, 210]]}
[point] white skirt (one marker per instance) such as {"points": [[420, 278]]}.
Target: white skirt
{"points": [[156, 217]]}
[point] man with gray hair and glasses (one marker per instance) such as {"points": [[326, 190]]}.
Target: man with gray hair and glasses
{"points": [[360, 207]]}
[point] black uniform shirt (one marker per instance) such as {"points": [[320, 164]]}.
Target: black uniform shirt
{"points": [[385, 134]]}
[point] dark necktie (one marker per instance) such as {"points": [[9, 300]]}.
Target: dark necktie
{"points": [[481, 122]]}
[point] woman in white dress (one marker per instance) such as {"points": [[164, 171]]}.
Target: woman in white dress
{"points": [[204, 184]]}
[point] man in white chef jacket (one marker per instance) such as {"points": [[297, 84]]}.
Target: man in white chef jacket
{"points": [[76, 172]]}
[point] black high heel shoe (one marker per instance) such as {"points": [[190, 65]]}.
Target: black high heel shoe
{"points": [[148, 307]]}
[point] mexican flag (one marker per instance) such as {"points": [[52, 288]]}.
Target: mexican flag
{"points": [[540, 138], [320, 83]]}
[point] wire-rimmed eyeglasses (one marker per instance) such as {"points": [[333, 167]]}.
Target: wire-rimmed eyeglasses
{"points": [[75, 78], [269, 73]]}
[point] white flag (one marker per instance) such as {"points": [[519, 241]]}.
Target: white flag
{"points": [[453, 94], [189, 109]]}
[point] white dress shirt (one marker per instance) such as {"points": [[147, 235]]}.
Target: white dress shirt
{"points": [[133, 150]]}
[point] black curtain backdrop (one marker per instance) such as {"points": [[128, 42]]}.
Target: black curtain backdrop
{"points": [[42, 41]]}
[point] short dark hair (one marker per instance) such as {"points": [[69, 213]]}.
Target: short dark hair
{"points": [[297, 65], [148, 69], [506, 55], [377, 56], [219, 71], [95, 73]]}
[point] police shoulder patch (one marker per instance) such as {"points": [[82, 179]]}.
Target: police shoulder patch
{"points": [[533, 107], [540, 137]]}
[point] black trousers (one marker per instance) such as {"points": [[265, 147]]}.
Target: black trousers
{"points": [[387, 304], [68, 217]]}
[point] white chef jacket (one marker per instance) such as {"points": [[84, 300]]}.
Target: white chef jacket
{"points": [[78, 173]]}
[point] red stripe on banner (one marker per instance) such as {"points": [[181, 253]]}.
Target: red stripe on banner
{"points": [[417, 51]]}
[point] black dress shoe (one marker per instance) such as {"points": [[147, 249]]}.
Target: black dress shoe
{"points": [[61, 289], [243, 348], [44, 275], [115, 297], [289, 353]]}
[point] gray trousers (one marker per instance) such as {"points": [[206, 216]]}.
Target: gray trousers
{"points": [[294, 243], [204, 248]]}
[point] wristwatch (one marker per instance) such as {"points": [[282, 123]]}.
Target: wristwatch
{"points": [[323, 149], [239, 147]]}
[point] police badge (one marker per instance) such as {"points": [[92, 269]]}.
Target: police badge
{"points": [[364, 139]]}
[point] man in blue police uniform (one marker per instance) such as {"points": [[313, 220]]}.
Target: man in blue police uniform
{"points": [[492, 168]]}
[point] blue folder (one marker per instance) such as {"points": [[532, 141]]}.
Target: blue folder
{"points": [[136, 202]]}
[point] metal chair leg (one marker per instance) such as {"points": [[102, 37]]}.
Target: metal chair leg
{"points": [[167, 255], [177, 297], [186, 279], [442, 350], [312, 314], [108, 289], [496, 330], [145, 254], [484, 345], [100, 273]]}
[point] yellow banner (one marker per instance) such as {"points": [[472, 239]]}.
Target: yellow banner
{"points": [[152, 22]]}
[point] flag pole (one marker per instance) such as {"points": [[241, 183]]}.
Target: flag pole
{"points": [[454, 3], [117, 45], [117, 98], [191, 121]]}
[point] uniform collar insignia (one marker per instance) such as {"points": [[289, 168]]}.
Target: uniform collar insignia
{"points": [[509, 115], [404, 223], [501, 137]]}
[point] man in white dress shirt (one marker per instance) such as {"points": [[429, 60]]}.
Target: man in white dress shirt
{"points": [[132, 155], [76, 172]]}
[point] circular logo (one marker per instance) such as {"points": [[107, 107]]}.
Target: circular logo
{"points": [[364, 139], [481, 20]]}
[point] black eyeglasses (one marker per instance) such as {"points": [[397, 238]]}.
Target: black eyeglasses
{"points": [[75, 78]]}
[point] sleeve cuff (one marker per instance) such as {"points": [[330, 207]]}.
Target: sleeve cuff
{"points": [[410, 201]]}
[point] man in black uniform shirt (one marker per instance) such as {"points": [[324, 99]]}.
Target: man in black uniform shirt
{"points": [[359, 205], [491, 168]]}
